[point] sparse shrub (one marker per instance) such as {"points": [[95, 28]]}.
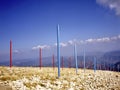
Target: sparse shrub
{"points": [[8, 77], [5, 78], [41, 84], [82, 89], [29, 85]]}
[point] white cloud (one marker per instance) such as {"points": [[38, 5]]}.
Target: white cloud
{"points": [[104, 39], [41, 46], [55, 44], [99, 40], [119, 36], [112, 4], [79, 42], [70, 42], [62, 44], [16, 51], [114, 38], [90, 40]]}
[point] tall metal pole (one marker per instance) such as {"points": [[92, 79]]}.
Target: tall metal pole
{"points": [[69, 62], [62, 62], [100, 66], [84, 61], [58, 50], [94, 64], [40, 53], [104, 66], [53, 62], [75, 55], [10, 53]]}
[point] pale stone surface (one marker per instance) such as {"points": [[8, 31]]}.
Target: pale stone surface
{"points": [[31, 78]]}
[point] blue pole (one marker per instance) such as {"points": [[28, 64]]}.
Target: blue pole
{"points": [[84, 61], [58, 50], [94, 64], [75, 55]]}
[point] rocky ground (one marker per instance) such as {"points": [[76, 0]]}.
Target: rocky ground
{"points": [[33, 78]]}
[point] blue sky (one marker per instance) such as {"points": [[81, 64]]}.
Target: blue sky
{"points": [[31, 24]]}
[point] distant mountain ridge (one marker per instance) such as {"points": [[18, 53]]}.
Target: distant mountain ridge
{"points": [[108, 59]]}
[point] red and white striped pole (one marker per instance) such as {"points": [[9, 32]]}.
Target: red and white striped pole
{"points": [[10, 53], [40, 53], [53, 62]]}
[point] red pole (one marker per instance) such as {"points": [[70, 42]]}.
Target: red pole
{"points": [[40, 58], [10, 53], [80, 64], [53, 62], [100, 67], [62, 63], [70, 62]]}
